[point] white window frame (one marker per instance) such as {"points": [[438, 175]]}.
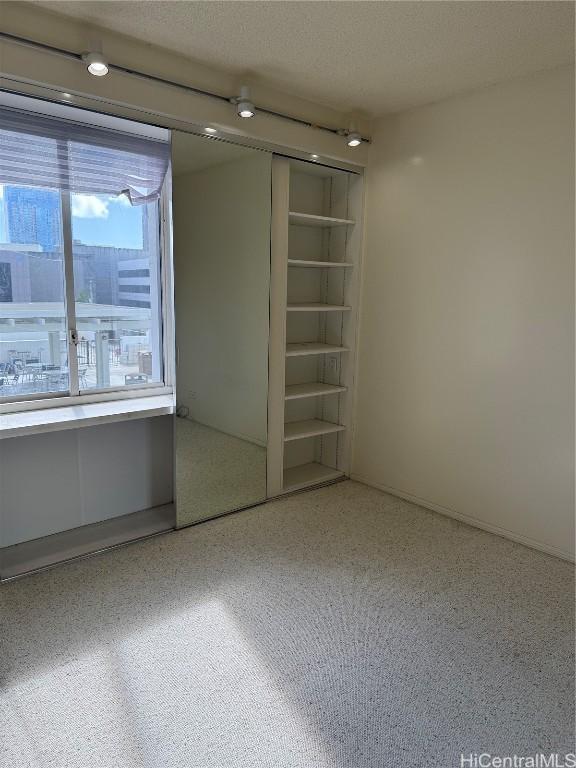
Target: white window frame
{"points": [[42, 400]]}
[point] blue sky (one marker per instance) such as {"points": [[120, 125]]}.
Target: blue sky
{"points": [[102, 220], [99, 220]]}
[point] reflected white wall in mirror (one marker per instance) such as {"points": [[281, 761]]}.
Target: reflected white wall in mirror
{"points": [[221, 215]]}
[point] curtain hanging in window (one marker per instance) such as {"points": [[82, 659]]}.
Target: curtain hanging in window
{"points": [[41, 151]]}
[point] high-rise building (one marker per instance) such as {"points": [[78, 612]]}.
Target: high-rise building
{"points": [[135, 287], [32, 216]]}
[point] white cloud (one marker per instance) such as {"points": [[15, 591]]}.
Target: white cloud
{"points": [[89, 207], [1, 192], [121, 200]]}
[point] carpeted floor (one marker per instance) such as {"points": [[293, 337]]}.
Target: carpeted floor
{"points": [[341, 628]]}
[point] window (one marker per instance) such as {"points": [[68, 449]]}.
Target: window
{"points": [[80, 267], [33, 326]]}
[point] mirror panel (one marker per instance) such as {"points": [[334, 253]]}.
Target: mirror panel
{"points": [[221, 219]]}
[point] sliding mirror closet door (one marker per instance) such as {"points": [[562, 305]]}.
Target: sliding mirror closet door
{"points": [[221, 217]]}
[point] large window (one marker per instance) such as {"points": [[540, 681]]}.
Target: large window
{"points": [[80, 258]]}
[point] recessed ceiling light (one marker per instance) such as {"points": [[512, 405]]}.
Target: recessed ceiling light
{"points": [[66, 95], [315, 157], [95, 64], [210, 130]]}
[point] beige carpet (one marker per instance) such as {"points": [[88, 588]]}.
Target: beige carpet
{"points": [[341, 628]]}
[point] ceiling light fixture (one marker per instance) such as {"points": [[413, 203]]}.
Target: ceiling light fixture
{"points": [[315, 157], [95, 64], [210, 130], [244, 107], [353, 139], [99, 67]]}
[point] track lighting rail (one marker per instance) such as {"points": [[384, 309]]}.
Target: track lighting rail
{"points": [[81, 57]]}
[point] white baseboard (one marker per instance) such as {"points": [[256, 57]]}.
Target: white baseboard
{"points": [[496, 529]]}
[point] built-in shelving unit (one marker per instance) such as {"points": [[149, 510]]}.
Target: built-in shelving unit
{"points": [[299, 430], [307, 264], [312, 389], [315, 266], [305, 475], [305, 348], [316, 307], [311, 220]]}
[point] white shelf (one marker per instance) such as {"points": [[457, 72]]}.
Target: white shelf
{"points": [[308, 474], [310, 220], [312, 348], [317, 307], [312, 389], [299, 430], [318, 264]]}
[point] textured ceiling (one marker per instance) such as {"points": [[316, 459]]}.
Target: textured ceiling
{"points": [[374, 57]]}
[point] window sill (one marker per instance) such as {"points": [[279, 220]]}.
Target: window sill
{"points": [[88, 415]]}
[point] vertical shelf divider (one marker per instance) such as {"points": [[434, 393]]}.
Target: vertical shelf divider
{"points": [[277, 344]]}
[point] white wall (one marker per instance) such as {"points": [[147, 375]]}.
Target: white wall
{"points": [[222, 285], [466, 371], [59, 480]]}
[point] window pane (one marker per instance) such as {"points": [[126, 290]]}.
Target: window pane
{"points": [[117, 289], [33, 347]]}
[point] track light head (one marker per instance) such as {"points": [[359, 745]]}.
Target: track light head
{"points": [[95, 64], [353, 139], [244, 107]]}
